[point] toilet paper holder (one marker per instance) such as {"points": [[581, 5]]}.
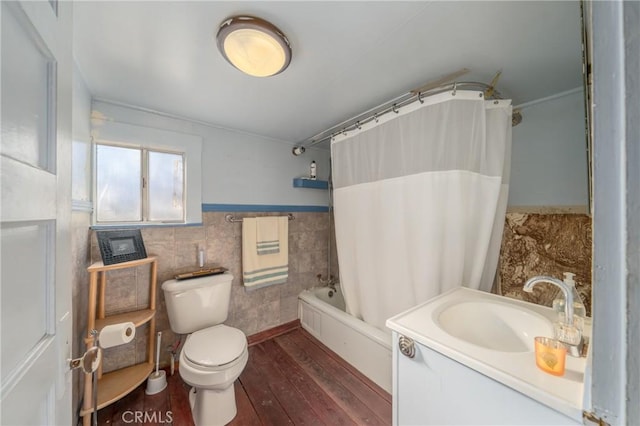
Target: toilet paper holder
{"points": [[89, 361]]}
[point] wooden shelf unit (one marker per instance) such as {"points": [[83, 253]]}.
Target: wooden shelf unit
{"points": [[116, 384]]}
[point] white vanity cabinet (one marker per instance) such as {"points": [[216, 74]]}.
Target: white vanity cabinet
{"points": [[432, 389], [472, 362]]}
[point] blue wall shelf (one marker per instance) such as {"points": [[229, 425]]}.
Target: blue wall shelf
{"points": [[308, 183]]}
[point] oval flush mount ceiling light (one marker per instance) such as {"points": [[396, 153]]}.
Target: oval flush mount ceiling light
{"points": [[254, 46]]}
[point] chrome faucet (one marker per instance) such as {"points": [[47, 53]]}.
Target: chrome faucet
{"points": [[571, 336], [566, 292], [328, 282]]}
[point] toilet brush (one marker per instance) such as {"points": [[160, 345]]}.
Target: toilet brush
{"points": [[157, 381]]}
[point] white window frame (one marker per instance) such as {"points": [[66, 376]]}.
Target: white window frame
{"points": [[144, 185], [149, 139]]}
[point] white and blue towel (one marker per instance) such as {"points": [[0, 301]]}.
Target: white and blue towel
{"points": [[267, 238], [263, 269]]}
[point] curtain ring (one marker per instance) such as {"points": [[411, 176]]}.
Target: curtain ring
{"points": [[420, 97], [358, 125], [455, 87], [395, 109], [375, 117]]}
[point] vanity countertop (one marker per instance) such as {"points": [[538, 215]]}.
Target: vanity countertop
{"points": [[516, 370]]}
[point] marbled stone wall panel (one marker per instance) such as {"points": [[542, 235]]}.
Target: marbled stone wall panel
{"points": [[269, 314], [164, 250], [159, 233], [121, 289], [296, 286], [308, 261], [217, 228], [226, 251], [545, 244], [187, 252], [120, 356], [288, 308], [142, 341], [193, 234], [143, 281]]}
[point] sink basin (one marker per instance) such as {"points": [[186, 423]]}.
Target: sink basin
{"points": [[493, 325]]}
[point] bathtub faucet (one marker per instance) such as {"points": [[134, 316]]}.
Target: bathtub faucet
{"points": [[566, 331], [327, 282]]}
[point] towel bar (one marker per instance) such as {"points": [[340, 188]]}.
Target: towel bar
{"points": [[231, 219]]}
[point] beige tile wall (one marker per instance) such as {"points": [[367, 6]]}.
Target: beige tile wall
{"points": [[177, 250], [533, 244]]}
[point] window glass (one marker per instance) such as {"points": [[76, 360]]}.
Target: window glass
{"points": [[118, 184], [166, 186]]}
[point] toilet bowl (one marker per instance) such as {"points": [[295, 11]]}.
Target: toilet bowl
{"points": [[211, 361], [214, 354]]}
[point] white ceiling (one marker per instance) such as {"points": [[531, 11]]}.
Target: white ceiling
{"points": [[347, 56]]}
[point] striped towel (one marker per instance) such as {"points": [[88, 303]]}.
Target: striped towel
{"points": [[266, 269], [267, 239]]}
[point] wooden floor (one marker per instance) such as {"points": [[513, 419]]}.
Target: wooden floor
{"points": [[289, 379]]}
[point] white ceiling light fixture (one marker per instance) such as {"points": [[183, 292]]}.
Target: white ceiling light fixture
{"points": [[254, 46]]}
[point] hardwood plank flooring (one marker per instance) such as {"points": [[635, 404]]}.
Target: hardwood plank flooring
{"points": [[290, 379]]}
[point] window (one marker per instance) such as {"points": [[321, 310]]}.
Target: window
{"points": [[145, 176], [165, 186], [138, 185]]}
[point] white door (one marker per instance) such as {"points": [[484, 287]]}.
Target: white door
{"points": [[35, 286]]}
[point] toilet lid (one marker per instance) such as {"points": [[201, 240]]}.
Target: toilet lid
{"points": [[215, 346]]}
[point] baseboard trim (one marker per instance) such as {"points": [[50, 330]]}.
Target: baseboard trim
{"points": [[276, 331]]}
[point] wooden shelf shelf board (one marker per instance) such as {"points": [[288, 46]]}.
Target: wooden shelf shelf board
{"points": [[117, 384], [100, 266], [137, 317]]}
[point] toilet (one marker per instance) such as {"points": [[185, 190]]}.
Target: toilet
{"points": [[214, 354]]}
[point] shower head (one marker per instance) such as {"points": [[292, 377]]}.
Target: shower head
{"points": [[298, 150]]}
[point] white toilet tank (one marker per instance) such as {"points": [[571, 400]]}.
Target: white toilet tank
{"points": [[197, 303]]}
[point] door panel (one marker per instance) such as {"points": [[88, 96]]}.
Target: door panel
{"points": [[35, 285], [28, 84], [27, 301], [28, 193]]}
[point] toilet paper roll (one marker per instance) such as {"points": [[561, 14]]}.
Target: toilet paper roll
{"points": [[117, 334]]}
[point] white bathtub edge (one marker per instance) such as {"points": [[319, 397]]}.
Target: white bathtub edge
{"points": [[363, 346], [358, 325]]}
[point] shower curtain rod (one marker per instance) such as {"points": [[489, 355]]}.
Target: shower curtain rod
{"points": [[387, 107]]}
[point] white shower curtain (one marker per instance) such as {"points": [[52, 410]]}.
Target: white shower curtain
{"points": [[419, 202]]}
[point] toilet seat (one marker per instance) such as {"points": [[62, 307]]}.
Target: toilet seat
{"points": [[215, 347]]}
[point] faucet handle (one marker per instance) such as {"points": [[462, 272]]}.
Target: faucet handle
{"points": [[567, 333]]}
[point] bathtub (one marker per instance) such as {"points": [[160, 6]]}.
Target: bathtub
{"points": [[368, 349]]}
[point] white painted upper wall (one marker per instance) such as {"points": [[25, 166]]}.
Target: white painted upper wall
{"points": [[81, 141], [549, 158], [549, 155], [238, 168]]}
